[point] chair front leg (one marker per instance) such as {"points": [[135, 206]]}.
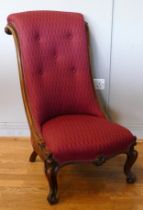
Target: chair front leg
{"points": [[51, 168], [131, 158]]}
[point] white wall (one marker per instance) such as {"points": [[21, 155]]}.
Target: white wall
{"points": [[117, 51], [126, 84], [97, 13]]}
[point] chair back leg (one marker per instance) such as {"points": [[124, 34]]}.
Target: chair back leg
{"points": [[33, 156]]}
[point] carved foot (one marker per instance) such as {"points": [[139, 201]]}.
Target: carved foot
{"points": [[51, 168], [131, 178], [131, 158], [33, 156], [52, 198]]}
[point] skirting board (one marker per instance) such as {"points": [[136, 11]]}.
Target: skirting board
{"points": [[137, 130], [22, 129], [14, 129]]}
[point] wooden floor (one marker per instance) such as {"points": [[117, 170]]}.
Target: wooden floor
{"points": [[23, 185]]}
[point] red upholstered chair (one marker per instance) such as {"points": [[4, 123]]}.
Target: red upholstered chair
{"points": [[67, 125]]}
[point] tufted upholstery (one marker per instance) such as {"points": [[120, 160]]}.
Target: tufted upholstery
{"points": [[56, 70], [84, 138], [55, 63]]}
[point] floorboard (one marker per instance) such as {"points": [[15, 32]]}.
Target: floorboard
{"points": [[23, 185]]}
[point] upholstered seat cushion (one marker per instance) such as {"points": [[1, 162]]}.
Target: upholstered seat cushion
{"points": [[84, 137]]}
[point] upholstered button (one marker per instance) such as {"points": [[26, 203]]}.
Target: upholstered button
{"points": [[37, 36], [73, 69], [40, 71], [68, 35], [54, 54]]}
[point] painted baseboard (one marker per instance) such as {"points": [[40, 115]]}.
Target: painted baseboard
{"points": [[137, 129], [14, 129]]}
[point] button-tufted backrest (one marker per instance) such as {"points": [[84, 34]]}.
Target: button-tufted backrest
{"points": [[55, 64]]}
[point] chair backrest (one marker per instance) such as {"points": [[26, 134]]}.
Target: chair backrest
{"points": [[55, 64]]}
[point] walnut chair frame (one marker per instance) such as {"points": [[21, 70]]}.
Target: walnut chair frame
{"points": [[39, 148]]}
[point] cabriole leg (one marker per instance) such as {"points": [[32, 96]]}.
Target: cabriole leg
{"points": [[131, 158], [51, 174]]}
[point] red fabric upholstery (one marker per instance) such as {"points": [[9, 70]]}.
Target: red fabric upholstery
{"points": [[84, 137], [55, 62], [56, 69]]}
